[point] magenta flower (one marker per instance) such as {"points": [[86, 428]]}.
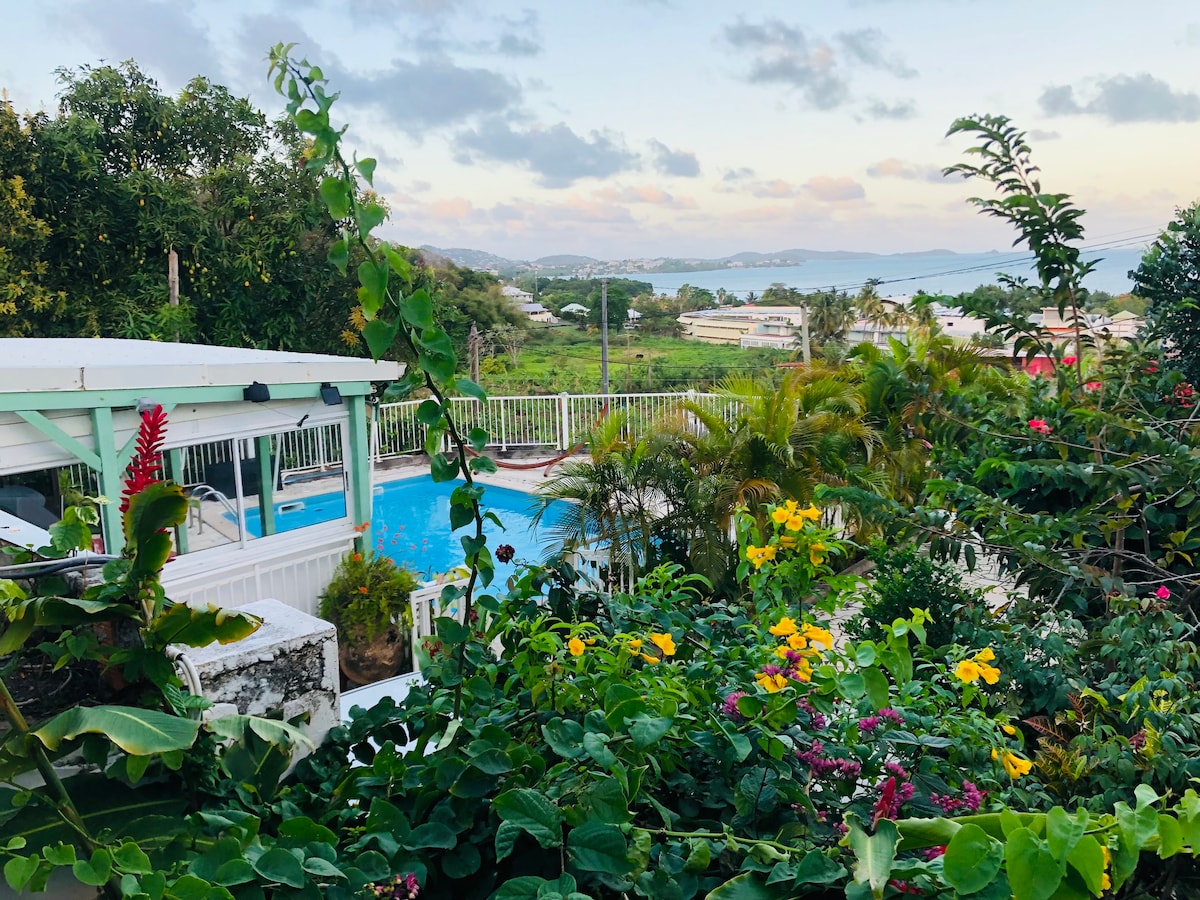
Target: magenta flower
{"points": [[869, 724], [1163, 593], [729, 707]]}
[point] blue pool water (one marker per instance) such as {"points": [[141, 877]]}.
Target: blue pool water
{"points": [[411, 520]]}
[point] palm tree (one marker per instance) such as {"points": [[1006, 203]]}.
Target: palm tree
{"points": [[830, 313], [784, 440], [872, 308]]}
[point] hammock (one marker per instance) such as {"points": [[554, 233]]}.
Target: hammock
{"points": [[547, 463]]}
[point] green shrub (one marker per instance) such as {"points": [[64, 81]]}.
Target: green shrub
{"points": [[906, 579]]}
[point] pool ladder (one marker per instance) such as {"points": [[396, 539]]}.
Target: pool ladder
{"points": [[202, 492]]}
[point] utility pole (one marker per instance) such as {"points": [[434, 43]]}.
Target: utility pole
{"points": [[173, 281], [805, 351], [604, 336], [473, 345]]}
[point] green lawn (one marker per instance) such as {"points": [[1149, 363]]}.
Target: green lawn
{"points": [[558, 359]]}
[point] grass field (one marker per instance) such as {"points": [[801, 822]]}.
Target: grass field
{"points": [[558, 359]]}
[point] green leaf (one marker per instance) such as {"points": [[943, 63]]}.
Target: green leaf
{"points": [[1033, 873], [648, 730], [468, 388], [483, 464], [873, 854], [972, 859], [596, 847], [138, 731], [273, 731], [506, 839], [463, 862], [129, 857], [339, 255], [373, 277], [431, 835], [851, 685], [429, 412], [336, 194], [817, 868], [565, 737], [417, 309], [533, 812], [380, 336], [370, 216], [233, 872], [280, 866], [877, 687], [1087, 858], [747, 886], [1064, 831], [93, 871], [478, 439], [18, 871], [366, 168], [443, 469], [399, 264], [193, 626], [156, 507], [1170, 836]]}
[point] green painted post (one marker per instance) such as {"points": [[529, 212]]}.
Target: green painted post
{"points": [[356, 460], [175, 472], [266, 480], [110, 472]]}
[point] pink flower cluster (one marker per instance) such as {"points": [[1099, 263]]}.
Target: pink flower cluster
{"points": [[822, 765], [892, 796], [729, 707], [1040, 426], [970, 801], [1163, 592], [400, 887], [818, 719]]}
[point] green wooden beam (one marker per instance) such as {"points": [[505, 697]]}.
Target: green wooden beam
{"points": [[48, 400], [359, 468], [266, 480], [109, 471], [60, 437], [174, 468]]}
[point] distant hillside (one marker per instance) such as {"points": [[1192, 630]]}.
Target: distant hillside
{"points": [[563, 260], [586, 266]]}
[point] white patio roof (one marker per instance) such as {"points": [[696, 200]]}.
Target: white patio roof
{"points": [[94, 364]]}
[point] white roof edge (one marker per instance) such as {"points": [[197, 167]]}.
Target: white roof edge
{"points": [[92, 364]]}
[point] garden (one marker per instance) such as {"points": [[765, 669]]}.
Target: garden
{"points": [[800, 694]]}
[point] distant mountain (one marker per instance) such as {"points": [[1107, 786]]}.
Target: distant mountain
{"points": [[587, 266], [564, 260]]}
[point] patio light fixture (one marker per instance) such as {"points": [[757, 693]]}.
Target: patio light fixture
{"points": [[257, 392], [331, 395]]}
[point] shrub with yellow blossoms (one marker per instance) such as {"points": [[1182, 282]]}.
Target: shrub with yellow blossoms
{"points": [[781, 564]]}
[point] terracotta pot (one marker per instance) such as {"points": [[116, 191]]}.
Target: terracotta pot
{"points": [[364, 662]]}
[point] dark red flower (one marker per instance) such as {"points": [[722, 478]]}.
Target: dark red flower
{"points": [[505, 553]]}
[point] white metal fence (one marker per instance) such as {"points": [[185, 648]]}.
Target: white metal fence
{"points": [[552, 421]]}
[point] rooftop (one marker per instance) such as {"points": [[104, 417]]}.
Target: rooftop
{"points": [[93, 364]]}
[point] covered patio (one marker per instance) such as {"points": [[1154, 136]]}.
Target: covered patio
{"points": [[251, 433]]}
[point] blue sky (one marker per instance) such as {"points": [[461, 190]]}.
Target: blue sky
{"points": [[662, 127]]}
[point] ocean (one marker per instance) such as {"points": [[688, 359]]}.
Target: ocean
{"points": [[901, 275]]}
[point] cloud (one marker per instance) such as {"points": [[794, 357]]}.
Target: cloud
{"points": [[739, 174], [556, 154], [776, 189], [647, 193], [519, 37], [834, 190], [865, 46], [900, 110], [819, 69], [162, 37], [1039, 134], [681, 163], [1124, 98], [898, 168], [415, 96]]}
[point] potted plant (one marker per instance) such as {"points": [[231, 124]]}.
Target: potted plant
{"points": [[367, 601]]}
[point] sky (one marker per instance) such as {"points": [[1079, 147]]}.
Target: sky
{"points": [[646, 128]]}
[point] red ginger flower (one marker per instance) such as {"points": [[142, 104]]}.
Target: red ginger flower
{"points": [[146, 465]]}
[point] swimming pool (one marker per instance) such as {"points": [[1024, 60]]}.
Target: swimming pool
{"points": [[411, 520]]}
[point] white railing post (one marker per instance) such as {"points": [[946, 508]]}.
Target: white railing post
{"points": [[564, 421]]}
